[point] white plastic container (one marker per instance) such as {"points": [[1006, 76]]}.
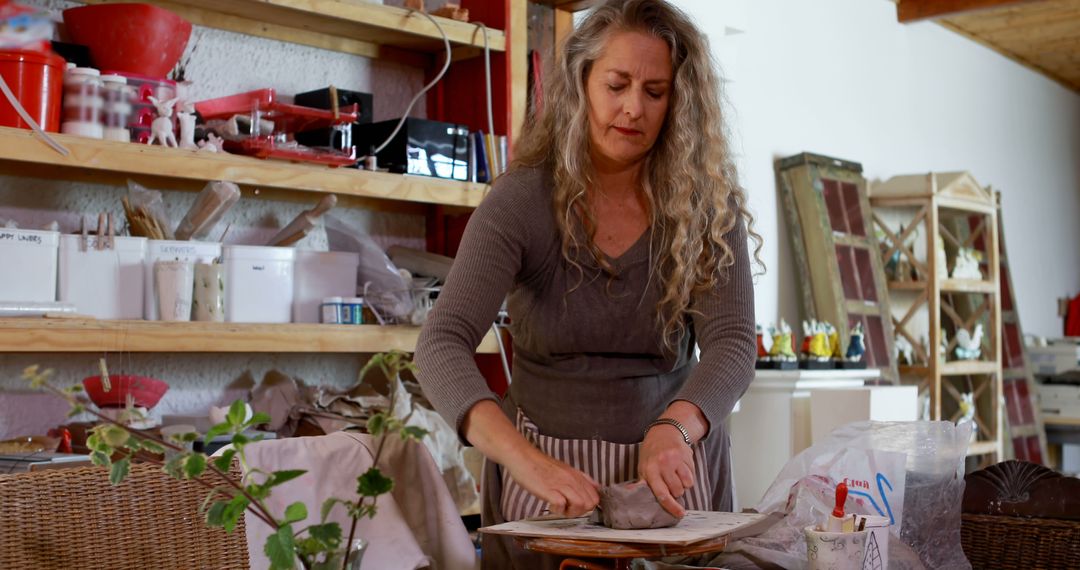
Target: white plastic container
{"points": [[258, 283], [29, 265], [321, 274], [168, 250], [105, 283]]}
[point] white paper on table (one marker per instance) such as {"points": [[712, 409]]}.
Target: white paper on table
{"points": [[696, 526]]}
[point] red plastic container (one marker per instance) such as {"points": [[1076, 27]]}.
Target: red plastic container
{"points": [[145, 391], [136, 38], [37, 80]]}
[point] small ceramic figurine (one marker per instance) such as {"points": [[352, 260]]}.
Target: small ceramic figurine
{"points": [[819, 344], [856, 349], [186, 116], [835, 351], [969, 346], [967, 265], [904, 351], [762, 352], [967, 413], [161, 130], [782, 348], [213, 143], [808, 337]]}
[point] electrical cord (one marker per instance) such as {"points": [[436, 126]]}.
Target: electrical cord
{"points": [[30, 120], [502, 350], [442, 72]]}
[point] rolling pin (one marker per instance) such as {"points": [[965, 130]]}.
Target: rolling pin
{"points": [[303, 223]]}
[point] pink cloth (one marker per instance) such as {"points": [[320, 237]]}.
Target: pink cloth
{"points": [[417, 524]]}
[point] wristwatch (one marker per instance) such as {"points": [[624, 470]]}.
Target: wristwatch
{"points": [[670, 422]]}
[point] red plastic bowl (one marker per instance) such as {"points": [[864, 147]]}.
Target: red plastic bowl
{"points": [[145, 391], [136, 38]]}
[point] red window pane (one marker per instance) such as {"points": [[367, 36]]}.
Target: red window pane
{"points": [[853, 209], [1023, 400], [1034, 451], [980, 242], [866, 274], [1011, 402], [875, 334], [834, 204], [849, 276], [1014, 351], [1020, 448]]}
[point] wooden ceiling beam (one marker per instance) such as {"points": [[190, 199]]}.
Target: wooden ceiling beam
{"points": [[908, 11]]}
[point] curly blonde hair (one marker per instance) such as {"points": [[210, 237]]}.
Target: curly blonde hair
{"points": [[691, 185]]}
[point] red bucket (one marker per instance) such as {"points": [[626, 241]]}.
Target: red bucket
{"points": [[133, 38], [37, 81]]}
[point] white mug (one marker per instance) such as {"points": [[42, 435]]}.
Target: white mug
{"points": [[835, 550], [173, 282]]}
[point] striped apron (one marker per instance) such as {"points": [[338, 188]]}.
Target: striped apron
{"points": [[607, 463]]}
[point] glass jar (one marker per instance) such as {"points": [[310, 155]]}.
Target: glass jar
{"points": [[117, 108], [83, 103]]}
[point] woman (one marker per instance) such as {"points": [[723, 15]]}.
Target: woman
{"points": [[618, 239]]}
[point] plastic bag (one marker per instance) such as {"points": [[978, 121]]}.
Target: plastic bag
{"points": [[911, 472], [210, 205], [149, 203], [386, 291]]}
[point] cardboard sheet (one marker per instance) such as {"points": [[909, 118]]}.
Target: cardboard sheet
{"points": [[696, 526]]}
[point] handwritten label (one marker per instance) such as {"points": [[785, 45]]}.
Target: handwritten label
{"points": [[179, 250], [21, 238]]}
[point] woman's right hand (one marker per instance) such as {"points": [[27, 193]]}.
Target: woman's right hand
{"points": [[567, 491]]}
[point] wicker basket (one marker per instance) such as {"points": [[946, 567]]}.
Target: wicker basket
{"points": [[1006, 542], [73, 518]]}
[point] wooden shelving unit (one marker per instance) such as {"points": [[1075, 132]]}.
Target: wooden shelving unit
{"points": [[349, 26], [20, 148], [913, 213], [78, 335]]}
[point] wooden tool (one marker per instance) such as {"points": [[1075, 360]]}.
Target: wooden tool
{"points": [[303, 223]]}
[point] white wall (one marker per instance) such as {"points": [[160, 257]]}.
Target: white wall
{"points": [[844, 79]]}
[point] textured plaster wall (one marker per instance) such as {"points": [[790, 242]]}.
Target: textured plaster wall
{"points": [[222, 63]]}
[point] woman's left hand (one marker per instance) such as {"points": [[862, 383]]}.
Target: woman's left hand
{"points": [[666, 463]]}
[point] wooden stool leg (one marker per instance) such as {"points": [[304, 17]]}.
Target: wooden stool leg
{"points": [[575, 564]]}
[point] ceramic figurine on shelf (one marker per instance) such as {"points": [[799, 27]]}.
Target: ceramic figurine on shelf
{"points": [[186, 116], [161, 130], [762, 352], [782, 352], [213, 143], [808, 337], [856, 349], [967, 413], [905, 352], [967, 265], [835, 350], [819, 343], [969, 345]]}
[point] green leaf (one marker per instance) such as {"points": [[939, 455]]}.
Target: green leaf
{"points": [[152, 446], [194, 465], [258, 419], [373, 483], [329, 534], [240, 440], [101, 459], [233, 511], [295, 512], [216, 515], [415, 433], [279, 477], [114, 436], [175, 467], [327, 506], [376, 424], [76, 410], [119, 470], [279, 549], [223, 462], [217, 430], [236, 415]]}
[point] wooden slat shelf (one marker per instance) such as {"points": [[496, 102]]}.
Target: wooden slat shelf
{"points": [[907, 285], [18, 146], [982, 448], [78, 335], [963, 368], [349, 26], [968, 286], [1060, 421]]}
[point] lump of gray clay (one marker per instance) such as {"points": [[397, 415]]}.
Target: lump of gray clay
{"points": [[631, 506]]}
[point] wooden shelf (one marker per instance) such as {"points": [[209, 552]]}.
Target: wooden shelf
{"points": [[907, 285], [982, 448], [968, 286], [77, 335], [21, 147], [1060, 421], [964, 368], [350, 26]]}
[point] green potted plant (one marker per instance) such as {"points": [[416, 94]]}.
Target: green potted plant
{"points": [[317, 546]]}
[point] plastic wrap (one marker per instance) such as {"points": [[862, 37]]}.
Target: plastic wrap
{"points": [[386, 291], [911, 472], [149, 205]]}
